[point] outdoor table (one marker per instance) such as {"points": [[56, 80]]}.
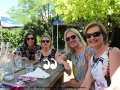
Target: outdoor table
{"points": [[53, 82]]}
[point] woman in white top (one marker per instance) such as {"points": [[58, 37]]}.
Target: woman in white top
{"points": [[104, 63]]}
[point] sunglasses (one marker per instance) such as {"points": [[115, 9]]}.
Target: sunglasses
{"points": [[95, 34], [72, 37], [47, 41], [32, 38]]}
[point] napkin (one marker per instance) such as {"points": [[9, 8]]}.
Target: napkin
{"points": [[38, 73]]}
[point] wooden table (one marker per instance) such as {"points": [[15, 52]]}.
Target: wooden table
{"points": [[51, 83]]}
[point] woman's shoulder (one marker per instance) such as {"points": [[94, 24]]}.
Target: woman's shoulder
{"points": [[114, 50], [53, 50]]}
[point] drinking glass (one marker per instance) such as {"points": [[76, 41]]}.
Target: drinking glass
{"points": [[18, 59], [2, 73], [18, 53], [18, 62], [38, 53], [28, 67]]}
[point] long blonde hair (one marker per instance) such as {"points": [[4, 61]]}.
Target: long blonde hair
{"points": [[81, 42]]}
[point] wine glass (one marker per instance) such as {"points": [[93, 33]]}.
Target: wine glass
{"points": [[2, 73], [38, 53], [18, 53]]}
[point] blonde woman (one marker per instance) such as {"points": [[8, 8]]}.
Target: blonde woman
{"points": [[105, 62], [79, 53], [46, 48]]}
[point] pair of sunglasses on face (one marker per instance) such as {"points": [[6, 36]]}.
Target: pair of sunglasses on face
{"points": [[47, 41], [71, 37], [32, 38], [95, 34]]}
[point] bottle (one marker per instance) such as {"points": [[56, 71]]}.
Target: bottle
{"points": [[9, 66]]}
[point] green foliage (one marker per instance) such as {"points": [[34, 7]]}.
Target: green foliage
{"points": [[15, 36], [104, 11], [35, 15], [90, 10], [38, 28]]}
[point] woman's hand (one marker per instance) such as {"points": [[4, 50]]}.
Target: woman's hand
{"points": [[67, 67], [24, 58], [73, 83]]}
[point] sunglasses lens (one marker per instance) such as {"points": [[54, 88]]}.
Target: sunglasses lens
{"points": [[43, 41], [68, 38], [96, 34], [88, 35], [73, 36], [47, 41], [30, 38]]}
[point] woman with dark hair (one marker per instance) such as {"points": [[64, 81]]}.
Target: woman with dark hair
{"points": [[29, 48]]}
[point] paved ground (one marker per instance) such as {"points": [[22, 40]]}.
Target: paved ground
{"points": [[66, 77]]}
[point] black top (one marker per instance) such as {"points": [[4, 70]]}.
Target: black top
{"points": [[51, 55], [29, 53]]}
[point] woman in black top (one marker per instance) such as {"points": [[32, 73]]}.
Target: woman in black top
{"points": [[46, 48], [29, 48]]}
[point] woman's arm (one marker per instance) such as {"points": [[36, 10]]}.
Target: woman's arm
{"points": [[63, 60], [114, 58], [56, 55], [88, 79]]}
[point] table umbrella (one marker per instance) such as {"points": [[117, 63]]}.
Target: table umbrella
{"points": [[6, 22]]}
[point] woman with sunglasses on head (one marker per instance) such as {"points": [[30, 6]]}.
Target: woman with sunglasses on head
{"points": [[29, 48], [46, 48], [79, 53], [104, 63]]}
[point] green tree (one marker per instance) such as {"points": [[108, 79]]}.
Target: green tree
{"points": [[104, 11], [30, 10], [36, 15]]}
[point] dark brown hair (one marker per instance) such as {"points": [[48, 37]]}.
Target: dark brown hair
{"points": [[26, 36]]}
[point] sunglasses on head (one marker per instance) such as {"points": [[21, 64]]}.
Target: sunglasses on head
{"points": [[72, 37], [47, 41], [32, 38], [95, 34]]}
